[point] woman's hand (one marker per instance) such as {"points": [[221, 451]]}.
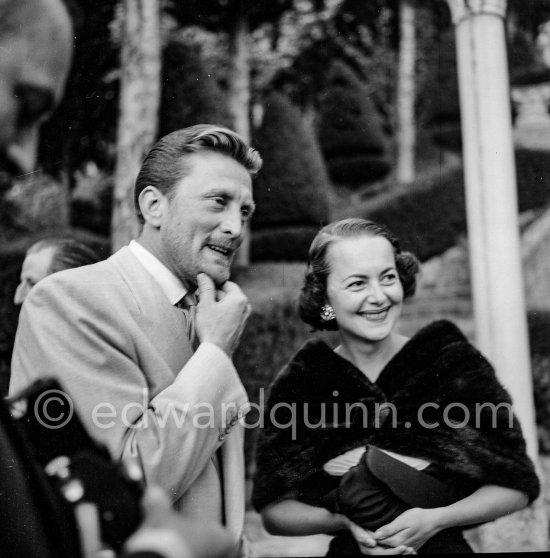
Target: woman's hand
{"points": [[367, 543], [412, 528]]}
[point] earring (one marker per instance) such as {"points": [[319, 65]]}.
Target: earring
{"points": [[327, 313]]}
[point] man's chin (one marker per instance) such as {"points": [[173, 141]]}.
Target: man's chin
{"points": [[218, 274]]}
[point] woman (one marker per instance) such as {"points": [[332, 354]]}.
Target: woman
{"points": [[444, 449]]}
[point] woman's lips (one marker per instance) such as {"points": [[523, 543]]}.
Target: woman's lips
{"points": [[376, 315]]}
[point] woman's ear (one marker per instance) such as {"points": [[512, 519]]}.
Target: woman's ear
{"points": [[151, 203]]}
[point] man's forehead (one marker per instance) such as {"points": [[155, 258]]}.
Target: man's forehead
{"points": [[38, 39]]}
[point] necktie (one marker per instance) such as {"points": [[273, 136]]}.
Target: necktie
{"points": [[188, 306]]}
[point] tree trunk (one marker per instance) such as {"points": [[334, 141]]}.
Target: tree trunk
{"points": [[406, 135], [239, 97], [139, 102]]}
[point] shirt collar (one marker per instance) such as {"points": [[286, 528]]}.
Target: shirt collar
{"points": [[170, 285]]}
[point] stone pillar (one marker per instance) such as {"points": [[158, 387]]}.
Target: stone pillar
{"points": [[493, 229]]}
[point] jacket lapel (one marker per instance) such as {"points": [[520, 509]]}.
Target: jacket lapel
{"points": [[162, 323]]}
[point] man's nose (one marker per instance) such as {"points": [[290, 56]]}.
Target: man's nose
{"points": [[23, 150], [20, 293], [233, 223]]}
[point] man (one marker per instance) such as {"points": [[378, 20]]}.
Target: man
{"points": [[50, 256], [36, 46], [114, 336]]}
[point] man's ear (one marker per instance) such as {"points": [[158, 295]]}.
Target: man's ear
{"points": [[152, 203]]}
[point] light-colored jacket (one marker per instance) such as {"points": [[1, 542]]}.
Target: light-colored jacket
{"points": [[120, 351]]}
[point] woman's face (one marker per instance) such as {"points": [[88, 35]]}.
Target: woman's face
{"points": [[364, 288]]}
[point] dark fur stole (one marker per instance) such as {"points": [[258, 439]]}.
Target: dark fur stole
{"points": [[466, 426]]}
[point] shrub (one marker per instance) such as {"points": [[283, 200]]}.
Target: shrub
{"points": [[533, 178], [292, 187], [189, 94], [539, 334], [429, 219], [39, 202], [350, 130], [92, 201], [289, 244], [273, 333]]}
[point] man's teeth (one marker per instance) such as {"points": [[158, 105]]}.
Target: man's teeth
{"points": [[219, 249]]}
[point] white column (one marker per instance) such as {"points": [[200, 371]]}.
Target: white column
{"points": [[491, 200]]}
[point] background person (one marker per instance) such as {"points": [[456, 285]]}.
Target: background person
{"points": [[116, 336], [50, 256], [356, 281]]}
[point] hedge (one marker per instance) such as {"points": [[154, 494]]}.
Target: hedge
{"points": [[428, 219]]}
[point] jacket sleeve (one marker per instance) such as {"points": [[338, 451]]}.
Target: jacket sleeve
{"points": [[173, 425]]}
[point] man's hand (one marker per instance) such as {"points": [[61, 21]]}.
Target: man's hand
{"points": [[412, 528], [368, 545], [221, 313], [171, 535]]}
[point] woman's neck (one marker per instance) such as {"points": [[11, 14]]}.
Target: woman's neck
{"points": [[370, 358]]}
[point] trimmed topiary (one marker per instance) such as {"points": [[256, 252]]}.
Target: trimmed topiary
{"points": [[350, 130], [189, 94], [292, 187]]}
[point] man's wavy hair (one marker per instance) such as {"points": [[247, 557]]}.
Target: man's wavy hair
{"points": [[166, 164], [313, 295]]}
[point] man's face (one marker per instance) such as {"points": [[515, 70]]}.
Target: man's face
{"points": [[36, 266], [34, 63], [205, 218]]}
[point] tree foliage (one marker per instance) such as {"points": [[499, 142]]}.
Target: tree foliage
{"points": [[219, 15]]}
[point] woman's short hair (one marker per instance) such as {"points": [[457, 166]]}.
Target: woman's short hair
{"points": [[313, 295], [165, 165], [67, 253]]}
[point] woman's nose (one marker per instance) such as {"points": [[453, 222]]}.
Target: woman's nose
{"points": [[376, 294]]}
